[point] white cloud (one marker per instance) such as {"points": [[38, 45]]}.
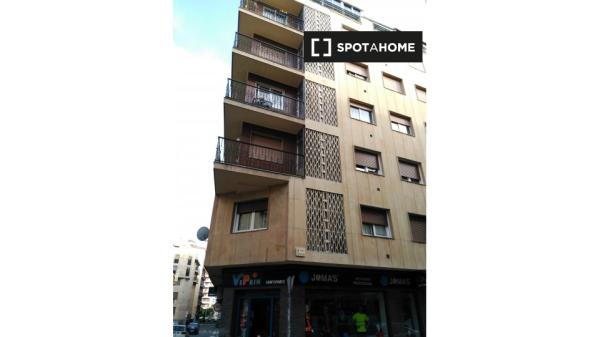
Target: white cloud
{"points": [[199, 81]]}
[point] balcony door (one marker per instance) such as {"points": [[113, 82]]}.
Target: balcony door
{"points": [[275, 15], [269, 97]]}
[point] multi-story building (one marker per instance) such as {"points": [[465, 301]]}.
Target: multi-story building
{"points": [[318, 224], [207, 298], [188, 264]]}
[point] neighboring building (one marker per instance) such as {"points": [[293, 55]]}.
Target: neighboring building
{"points": [[207, 298], [319, 215], [187, 267]]}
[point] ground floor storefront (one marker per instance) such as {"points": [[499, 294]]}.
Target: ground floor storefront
{"points": [[301, 301]]}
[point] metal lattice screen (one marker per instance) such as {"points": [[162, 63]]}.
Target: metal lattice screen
{"points": [[315, 20], [320, 103], [322, 156], [325, 227], [323, 69]]}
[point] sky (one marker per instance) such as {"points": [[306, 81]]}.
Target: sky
{"points": [[203, 33]]}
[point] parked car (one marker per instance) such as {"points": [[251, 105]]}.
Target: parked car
{"points": [[179, 330], [193, 328]]}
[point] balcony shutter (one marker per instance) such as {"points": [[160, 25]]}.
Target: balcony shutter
{"points": [[252, 206], [400, 120], [366, 159], [393, 84], [409, 170], [273, 143], [421, 94], [417, 225], [373, 216], [357, 69]]}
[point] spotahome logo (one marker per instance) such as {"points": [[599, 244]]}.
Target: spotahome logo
{"points": [[377, 46]]}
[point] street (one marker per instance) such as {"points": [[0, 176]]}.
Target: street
{"points": [[207, 330]]}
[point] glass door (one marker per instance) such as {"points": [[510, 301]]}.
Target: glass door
{"points": [[257, 315]]}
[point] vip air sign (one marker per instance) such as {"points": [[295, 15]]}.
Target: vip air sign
{"points": [[377, 46]]}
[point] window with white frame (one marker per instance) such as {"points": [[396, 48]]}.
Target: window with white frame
{"points": [[358, 70], [375, 222], [401, 124], [362, 113], [250, 216], [410, 171], [367, 161]]}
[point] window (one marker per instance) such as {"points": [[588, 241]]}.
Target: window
{"points": [[421, 93], [393, 83], [190, 261], [176, 259], [357, 70], [187, 272], [367, 161], [401, 124], [362, 113], [417, 226], [410, 171], [250, 215], [375, 222], [175, 294]]}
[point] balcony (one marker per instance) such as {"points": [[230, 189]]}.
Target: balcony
{"points": [[258, 105], [251, 55], [273, 14], [268, 166], [278, 20]]}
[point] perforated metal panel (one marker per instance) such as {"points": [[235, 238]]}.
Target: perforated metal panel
{"points": [[322, 156], [315, 20], [320, 103], [325, 226], [323, 69]]}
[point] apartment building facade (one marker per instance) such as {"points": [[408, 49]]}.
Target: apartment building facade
{"points": [[188, 264], [318, 223]]}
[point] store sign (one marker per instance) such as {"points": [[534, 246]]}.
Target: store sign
{"points": [[314, 277], [255, 279]]}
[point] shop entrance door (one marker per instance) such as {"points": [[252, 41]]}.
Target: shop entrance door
{"points": [[257, 315]]}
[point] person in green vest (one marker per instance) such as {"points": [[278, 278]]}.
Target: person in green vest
{"points": [[361, 320]]}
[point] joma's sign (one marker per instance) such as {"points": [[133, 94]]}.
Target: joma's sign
{"points": [[377, 46]]}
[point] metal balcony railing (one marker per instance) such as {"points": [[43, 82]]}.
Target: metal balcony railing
{"points": [[268, 52], [265, 98], [235, 152], [273, 14]]}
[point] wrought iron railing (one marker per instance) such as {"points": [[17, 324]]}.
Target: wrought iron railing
{"points": [[338, 8], [268, 52], [265, 98], [273, 14], [235, 152]]}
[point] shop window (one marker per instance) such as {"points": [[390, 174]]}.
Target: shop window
{"points": [[401, 124], [250, 215], [352, 313], [362, 113], [410, 171], [357, 70], [421, 93], [418, 226], [375, 222], [393, 83], [367, 161], [404, 320]]}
